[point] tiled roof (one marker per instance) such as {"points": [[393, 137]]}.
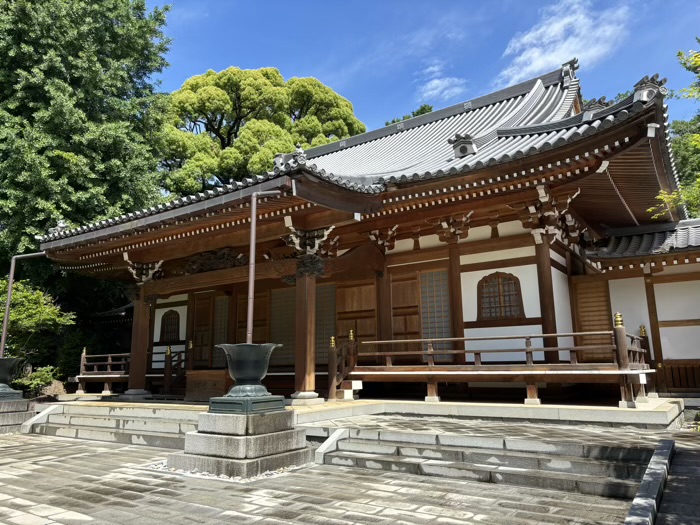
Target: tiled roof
{"points": [[659, 239], [515, 122]]}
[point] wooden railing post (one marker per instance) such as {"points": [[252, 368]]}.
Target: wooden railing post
{"points": [[167, 369], [651, 378], [623, 363], [190, 351], [529, 359], [332, 370], [623, 357], [352, 349], [431, 357]]}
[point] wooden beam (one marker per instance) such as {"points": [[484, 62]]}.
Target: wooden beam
{"points": [[546, 291], [384, 304], [654, 329], [679, 322], [305, 338], [454, 275], [500, 323], [676, 278], [313, 189], [501, 263], [139, 344]]}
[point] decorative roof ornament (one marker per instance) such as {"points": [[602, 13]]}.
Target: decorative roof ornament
{"points": [[597, 104], [299, 155], [646, 88], [463, 145], [59, 228], [568, 71]]}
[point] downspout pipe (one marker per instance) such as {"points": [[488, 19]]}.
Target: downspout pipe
{"points": [[10, 280], [251, 260]]}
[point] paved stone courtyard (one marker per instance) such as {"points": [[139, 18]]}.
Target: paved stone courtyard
{"points": [[585, 434], [46, 480]]}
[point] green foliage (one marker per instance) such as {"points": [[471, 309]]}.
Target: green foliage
{"points": [[422, 110], [79, 116], [685, 141], [229, 125], [691, 62], [34, 383], [35, 321]]}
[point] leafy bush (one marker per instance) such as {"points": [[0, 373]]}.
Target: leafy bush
{"points": [[34, 383]]}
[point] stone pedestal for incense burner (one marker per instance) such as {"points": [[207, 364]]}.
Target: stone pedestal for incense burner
{"points": [[247, 431], [13, 409]]}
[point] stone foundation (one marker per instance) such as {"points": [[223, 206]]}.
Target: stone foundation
{"points": [[12, 414], [243, 445]]}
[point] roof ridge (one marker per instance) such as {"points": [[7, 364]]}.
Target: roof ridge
{"points": [[506, 93]]}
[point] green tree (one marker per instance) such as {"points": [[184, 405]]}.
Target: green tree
{"points": [[35, 321], [78, 113], [422, 110], [685, 142], [229, 125]]}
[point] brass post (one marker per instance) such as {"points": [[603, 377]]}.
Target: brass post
{"points": [[332, 370], [642, 330], [618, 320], [351, 335]]}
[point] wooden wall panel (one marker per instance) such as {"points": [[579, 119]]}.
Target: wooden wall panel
{"points": [[356, 307], [261, 318], [593, 315]]}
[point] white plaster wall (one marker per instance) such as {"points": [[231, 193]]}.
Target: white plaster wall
{"points": [[429, 241], [402, 245], [629, 297], [504, 343], [681, 342], [479, 233], [528, 285], [562, 309], [676, 301], [672, 269], [506, 229], [555, 256], [499, 255]]}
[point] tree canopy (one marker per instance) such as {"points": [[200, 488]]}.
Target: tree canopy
{"points": [[685, 141], [79, 113], [229, 125], [422, 110], [34, 320]]}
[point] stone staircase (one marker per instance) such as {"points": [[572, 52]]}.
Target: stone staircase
{"points": [[607, 471], [157, 426], [13, 413], [680, 502]]}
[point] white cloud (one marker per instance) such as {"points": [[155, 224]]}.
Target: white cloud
{"points": [[436, 86], [442, 88], [567, 29]]}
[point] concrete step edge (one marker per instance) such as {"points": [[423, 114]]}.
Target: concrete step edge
{"points": [[77, 428], [123, 418], [485, 450]]}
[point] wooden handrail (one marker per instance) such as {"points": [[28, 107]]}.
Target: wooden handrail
{"points": [[596, 348], [493, 338], [107, 355]]}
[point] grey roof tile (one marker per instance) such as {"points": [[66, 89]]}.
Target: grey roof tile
{"points": [[664, 238]]}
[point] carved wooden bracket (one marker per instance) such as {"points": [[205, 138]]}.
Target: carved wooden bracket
{"points": [[143, 272], [452, 229], [545, 216], [306, 242], [384, 239]]}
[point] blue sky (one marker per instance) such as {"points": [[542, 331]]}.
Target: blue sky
{"points": [[390, 56]]}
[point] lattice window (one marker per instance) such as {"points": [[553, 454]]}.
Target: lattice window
{"points": [[170, 327], [500, 297]]}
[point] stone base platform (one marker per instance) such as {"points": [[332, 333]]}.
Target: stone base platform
{"points": [[243, 445], [246, 468], [12, 414]]}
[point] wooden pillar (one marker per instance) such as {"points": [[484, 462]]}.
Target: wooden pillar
{"points": [[139, 346], [305, 343], [655, 334], [385, 329], [547, 306], [454, 273]]}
